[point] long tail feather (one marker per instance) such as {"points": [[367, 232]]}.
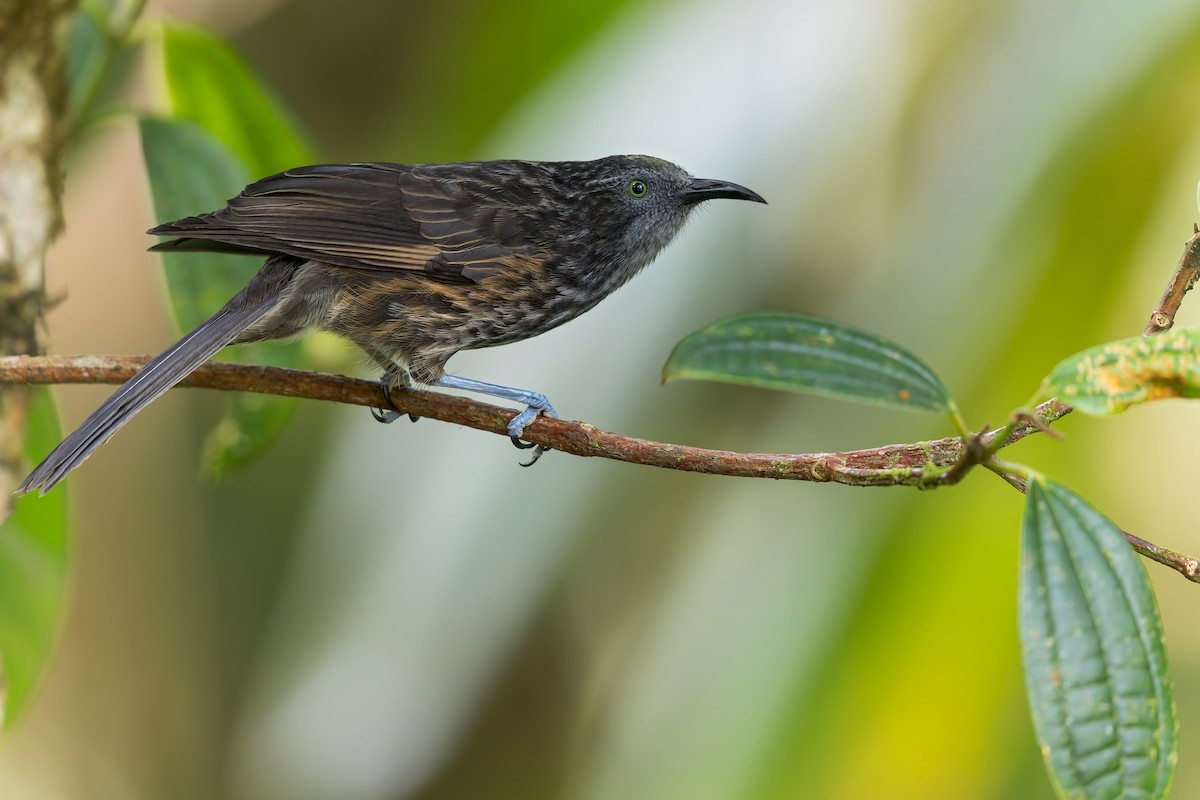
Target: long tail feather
{"points": [[160, 374]]}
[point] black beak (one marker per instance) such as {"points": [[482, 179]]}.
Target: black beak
{"points": [[708, 189]]}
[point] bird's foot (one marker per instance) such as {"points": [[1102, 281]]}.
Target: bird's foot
{"points": [[536, 403], [392, 412]]}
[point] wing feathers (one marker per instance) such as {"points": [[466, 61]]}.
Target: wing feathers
{"points": [[446, 221]]}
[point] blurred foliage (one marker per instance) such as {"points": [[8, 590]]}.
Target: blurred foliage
{"points": [[430, 80], [997, 185], [86, 57], [211, 86], [33, 574]]}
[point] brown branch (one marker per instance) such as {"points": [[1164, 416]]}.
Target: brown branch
{"points": [[889, 465], [1182, 281], [1182, 563]]}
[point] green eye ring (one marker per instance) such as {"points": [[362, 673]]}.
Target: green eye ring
{"points": [[638, 188]]}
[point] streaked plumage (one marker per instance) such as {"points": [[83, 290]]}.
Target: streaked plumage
{"points": [[415, 262]]}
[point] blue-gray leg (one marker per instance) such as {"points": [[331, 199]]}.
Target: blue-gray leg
{"points": [[535, 403]]}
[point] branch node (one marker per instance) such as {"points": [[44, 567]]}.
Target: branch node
{"points": [[1025, 416]]}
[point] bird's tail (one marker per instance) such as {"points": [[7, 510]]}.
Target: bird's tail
{"points": [[160, 374]]}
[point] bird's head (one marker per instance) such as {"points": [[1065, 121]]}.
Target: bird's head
{"points": [[634, 205]]}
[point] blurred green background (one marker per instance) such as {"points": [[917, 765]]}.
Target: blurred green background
{"points": [[403, 613]]}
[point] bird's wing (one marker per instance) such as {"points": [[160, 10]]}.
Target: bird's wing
{"points": [[449, 221]]}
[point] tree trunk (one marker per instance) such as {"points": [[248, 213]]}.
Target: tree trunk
{"points": [[34, 35]]}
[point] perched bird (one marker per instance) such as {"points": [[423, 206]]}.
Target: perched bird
{"points": [[414, 262]]}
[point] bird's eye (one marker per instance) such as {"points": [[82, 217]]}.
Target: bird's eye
{"points": [[638, 188]]}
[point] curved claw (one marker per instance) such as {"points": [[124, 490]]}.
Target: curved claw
{"points": [[385, 388], [517, 426], [386, 381], [383, 414], [539, 451]]}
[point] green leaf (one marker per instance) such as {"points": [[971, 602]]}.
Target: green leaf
{"points": [[191, 172], [1092, 645], [211, 86], [808, 354], [1109, 378], [33, 572]]}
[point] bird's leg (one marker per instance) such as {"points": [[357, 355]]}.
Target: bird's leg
{"points": [[535, 403], [386, 381]]}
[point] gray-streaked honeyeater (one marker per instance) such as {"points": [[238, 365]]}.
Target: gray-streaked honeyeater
{"points": [[414, 262]]}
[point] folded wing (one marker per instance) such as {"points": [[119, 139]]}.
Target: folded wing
{"points": [[449, 221]]}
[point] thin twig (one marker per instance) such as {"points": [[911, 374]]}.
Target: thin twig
{"points": [[1182, 281], [1182, 563], [1162, 319]]}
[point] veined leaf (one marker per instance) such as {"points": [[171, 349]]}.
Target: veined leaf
{"points": [[1109, 378], [808, 354], [1092, 644], [190, 172], [33, 572]]}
